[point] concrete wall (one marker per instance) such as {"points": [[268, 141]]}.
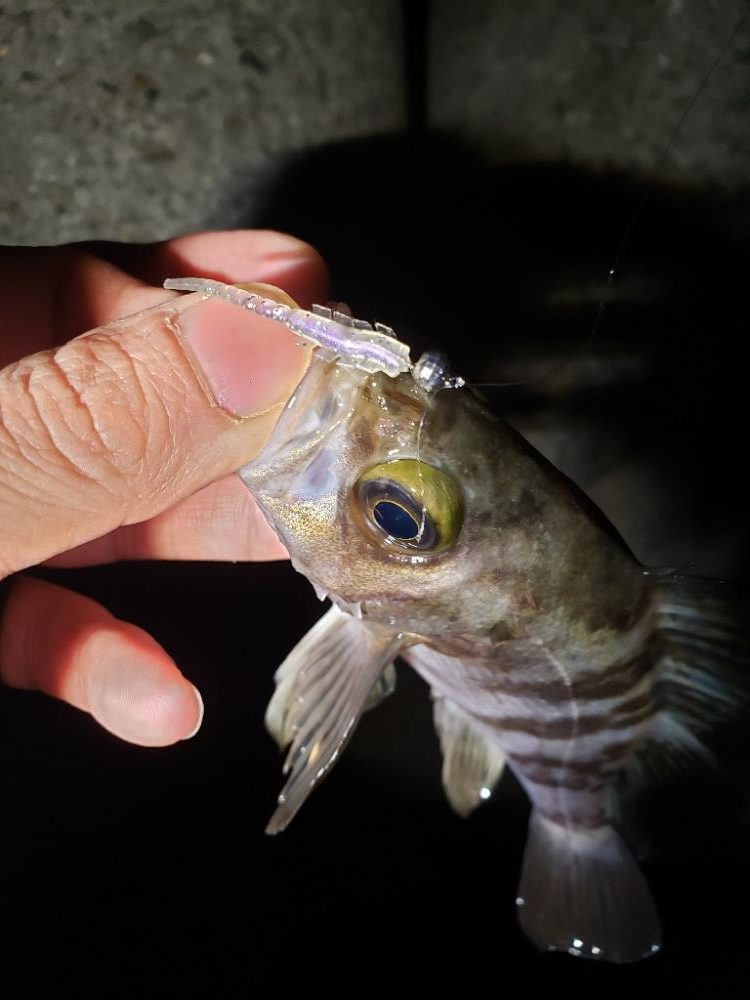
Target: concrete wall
{"points": [[137, 121]]}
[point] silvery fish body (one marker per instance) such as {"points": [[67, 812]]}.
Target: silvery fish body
{"points": [[441, 536]]}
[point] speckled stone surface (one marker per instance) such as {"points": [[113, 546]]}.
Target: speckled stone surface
{"points": [[136, 121], [598, 85]]}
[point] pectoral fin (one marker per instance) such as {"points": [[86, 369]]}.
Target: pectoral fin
{"points": [[323, 687], [472, 765]]}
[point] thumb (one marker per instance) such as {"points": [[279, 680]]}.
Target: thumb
{"points": [[119, 424]]}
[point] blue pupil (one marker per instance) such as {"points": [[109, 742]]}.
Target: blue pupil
{"points": [[395, 520]]}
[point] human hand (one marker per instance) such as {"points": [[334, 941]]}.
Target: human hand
{"points": [[114, 445]]}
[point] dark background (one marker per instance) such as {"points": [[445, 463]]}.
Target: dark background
{"points": [[471, 181]]}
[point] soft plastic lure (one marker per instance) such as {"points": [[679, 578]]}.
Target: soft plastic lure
{"points": [[354, 342]]}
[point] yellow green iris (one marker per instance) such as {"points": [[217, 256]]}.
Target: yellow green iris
{"points": [[421, 504]]}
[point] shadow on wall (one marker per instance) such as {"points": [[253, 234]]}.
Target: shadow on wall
{"points": [[507, 269]]}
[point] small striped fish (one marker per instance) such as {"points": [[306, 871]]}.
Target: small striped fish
{"points": [[443, 537]]}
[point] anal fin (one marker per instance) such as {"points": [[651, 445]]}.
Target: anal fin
{"points": [[323, 687]]}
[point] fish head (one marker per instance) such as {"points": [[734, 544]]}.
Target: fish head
{"points": [[407, 501], [388, 497]]}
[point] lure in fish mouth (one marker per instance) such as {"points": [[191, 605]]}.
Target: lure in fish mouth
{"points": [[441, 536]]}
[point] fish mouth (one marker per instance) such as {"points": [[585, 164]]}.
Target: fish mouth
{"points": [[324, 399], [369, 602], [325, 404], [363, 607]]}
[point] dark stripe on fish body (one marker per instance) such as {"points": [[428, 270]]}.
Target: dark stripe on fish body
{"points": [[582, 821], [573, 782], [568, 727], [605, 763], [614, 680], [632, 709]]}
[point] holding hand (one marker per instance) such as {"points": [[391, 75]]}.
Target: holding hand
{"points": [[121, 444]]}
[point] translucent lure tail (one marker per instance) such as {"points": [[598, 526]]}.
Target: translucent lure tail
{"points": [[353, 341], [581, 892]]}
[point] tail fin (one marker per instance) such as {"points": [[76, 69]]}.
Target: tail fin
{"points": [[581, 892]]}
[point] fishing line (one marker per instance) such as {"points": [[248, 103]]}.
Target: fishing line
{"points": [[631, 226], [431, 373], [422, 421]]}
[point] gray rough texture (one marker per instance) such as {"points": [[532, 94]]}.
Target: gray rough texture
{"points": [[135, 121], [600, 85]]}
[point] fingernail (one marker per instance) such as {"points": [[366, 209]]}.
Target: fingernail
{"points": [[201, 710], [247, 363]]}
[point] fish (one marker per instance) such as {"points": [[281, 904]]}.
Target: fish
{"points": [[441, 536]]}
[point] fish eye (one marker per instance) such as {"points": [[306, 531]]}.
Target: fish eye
{"points": [[409, 506]]}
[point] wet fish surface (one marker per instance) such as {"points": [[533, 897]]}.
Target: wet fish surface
{"points": [[441, 536]]}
